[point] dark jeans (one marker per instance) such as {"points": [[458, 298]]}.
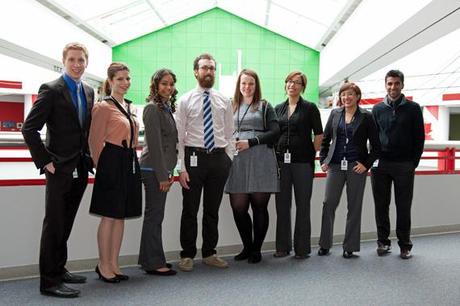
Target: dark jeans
{"points": [[210, 177], [401, 174], [63, 196]]}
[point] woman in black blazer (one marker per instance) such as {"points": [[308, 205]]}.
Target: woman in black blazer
{"points": [[346, 159]]}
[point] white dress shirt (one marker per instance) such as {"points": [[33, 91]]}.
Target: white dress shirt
{"points": [[190, 126]]}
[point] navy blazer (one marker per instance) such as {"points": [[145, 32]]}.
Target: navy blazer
{"points": [[364, 129]]}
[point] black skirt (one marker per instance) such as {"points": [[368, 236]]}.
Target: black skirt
{"points": [[117, 191]]}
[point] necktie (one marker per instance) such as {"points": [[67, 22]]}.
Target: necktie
{"points": [[80, 107], [207, 122]]}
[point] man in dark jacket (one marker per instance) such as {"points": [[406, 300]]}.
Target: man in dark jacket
{"points": [[401, 132], [64, 105]]}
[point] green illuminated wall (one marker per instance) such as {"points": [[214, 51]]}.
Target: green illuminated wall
{"points": [[220, 33]]}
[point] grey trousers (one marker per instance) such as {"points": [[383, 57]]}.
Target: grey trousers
{"points": [[299, 175], [151, 254], [335, 181]]}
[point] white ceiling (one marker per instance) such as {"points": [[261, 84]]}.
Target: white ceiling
{"points": [[118, 21]]}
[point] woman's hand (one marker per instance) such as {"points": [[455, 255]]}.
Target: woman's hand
{"points": [[359, 168], [241, 145], [324, 167], [164, 186]]}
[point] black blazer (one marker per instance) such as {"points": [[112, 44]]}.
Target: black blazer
{"points": [[363, 129], [66, 141]]}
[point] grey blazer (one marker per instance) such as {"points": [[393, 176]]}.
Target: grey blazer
{"points": [[159, 151]]}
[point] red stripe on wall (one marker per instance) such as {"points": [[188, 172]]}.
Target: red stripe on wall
{"points": [[10, 84], [451, 97]]}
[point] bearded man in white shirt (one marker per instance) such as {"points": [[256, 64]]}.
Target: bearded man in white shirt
{"points": [[205, 126]]}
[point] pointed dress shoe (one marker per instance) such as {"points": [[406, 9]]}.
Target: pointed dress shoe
{"points": [[112, 280], [255, 257], [323, 252], [71, 278], [245, 254], [169, 272], [61, 291], [122, 277]]}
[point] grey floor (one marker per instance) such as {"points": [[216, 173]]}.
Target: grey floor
{"points": [[431, 277]]}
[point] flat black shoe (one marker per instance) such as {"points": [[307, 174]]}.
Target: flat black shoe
{"points": [[347, 254], [112, 280], [255, 257], [279, 254], [61, 291], [170, 272], [122, 277], [323, 252], [71, 278], [242, 256], [298, 256]]}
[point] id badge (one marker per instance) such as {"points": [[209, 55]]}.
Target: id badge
{"points": [[75, 173], [287, 157], [375, 164], [193, 160], [344, 165]]}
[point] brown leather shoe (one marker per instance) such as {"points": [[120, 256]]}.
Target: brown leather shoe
{"points": [[405, 254]]}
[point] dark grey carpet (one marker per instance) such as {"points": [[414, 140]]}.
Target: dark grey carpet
{"points": [[431, 277]]}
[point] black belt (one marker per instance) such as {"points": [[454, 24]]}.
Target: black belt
{"points": [[204, 150]]}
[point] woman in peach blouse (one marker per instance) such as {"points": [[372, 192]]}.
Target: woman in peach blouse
{"points": [[117, 192]]}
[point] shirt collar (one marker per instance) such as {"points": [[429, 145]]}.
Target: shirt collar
{"points": [[70, 82], [201, 90]]}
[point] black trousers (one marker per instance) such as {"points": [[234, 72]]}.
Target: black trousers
{"points": [[210, 177], [63, 196], [401, 174]]}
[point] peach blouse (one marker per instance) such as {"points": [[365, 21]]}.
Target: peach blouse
{"points": [[109, 124]]}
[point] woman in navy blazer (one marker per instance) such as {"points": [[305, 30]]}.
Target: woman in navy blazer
{"points": [[346, 159]]}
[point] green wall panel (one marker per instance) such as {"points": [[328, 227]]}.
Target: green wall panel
{"points": [[220, 33]]}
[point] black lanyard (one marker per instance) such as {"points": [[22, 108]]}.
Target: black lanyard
{"points": [[345, 128], [128, 116], [238, 121]]}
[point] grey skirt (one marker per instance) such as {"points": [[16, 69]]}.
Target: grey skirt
{"points": [[254, 170]]}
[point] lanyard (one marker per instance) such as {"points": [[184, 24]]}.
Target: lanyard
{"points": [[240, 121], [345, 129], [127, 113]]}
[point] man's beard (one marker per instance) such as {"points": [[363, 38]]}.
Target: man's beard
{"points": [[206, 81]]}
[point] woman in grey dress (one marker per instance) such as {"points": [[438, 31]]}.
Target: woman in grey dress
{"points": [[157, 161], [254, 173]]}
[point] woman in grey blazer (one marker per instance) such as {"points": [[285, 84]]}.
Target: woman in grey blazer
{"points": [[157, 162], [346, 159]]}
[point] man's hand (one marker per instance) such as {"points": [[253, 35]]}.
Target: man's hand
{"points": [[184, 179], [50, 168], [324, 167]]}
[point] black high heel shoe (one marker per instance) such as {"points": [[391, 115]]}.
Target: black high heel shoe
{"points": [[112, 280], [122, 277], [243, 255]]}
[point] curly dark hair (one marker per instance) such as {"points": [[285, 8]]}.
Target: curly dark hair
{"points": [[154, 83]]}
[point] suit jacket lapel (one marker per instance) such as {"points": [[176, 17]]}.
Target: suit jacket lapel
{"points": [[358, 119], [335, 122], [66, 93], [89, 101]]}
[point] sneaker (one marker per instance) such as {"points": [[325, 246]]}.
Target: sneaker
{"points": [[383, 249], [215, 261], [405, 254], [186, 264]]}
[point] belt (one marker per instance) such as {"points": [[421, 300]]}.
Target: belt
{"points": [[204, 150]]}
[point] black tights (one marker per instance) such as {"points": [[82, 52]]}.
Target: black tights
{"points": [[240, 206]]}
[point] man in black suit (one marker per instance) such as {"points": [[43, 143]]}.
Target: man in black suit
{"points": [[64, 105]]}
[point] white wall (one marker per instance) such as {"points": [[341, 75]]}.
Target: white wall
{"points": [[435, 204]]}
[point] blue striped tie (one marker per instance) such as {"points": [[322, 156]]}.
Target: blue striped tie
{"points": [[207, 122]]}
